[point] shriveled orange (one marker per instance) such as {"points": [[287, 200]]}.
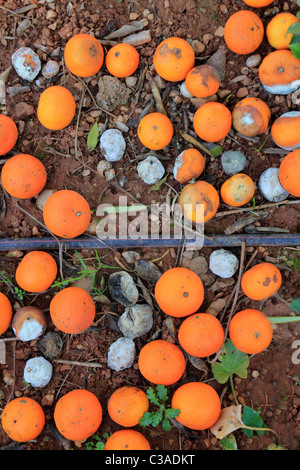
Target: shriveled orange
{"points": [[188, 165], [127, 405], [199, 405], [289, 173], [276, 30], [279, 72], [66, 213], [212, 121], [258, 3], [78, 415], [72, 310], [6, 313], [203, 81], [28, 323], [83, 55], [243, 32], [285, 130], [161, 362], [237, 190], [251, 116], [173, 59], [201, 335], [179, 292], [196, 196], [56, 108], [250, 331], [155, 131], [23, 419], [8, 134], [23, 176], [127, 439], [36, 271], [261, 281], [122, 60]]}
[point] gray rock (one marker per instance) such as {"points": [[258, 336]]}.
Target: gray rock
{"points": [[136, 321], [122, 288], [270, 186], [26, 63], [51, 69], [218, 60], [223, 263], [150, 170], [233, 162], [112, 93], [121, 354], [253, 61]]}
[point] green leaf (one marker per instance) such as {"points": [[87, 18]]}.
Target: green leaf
{"points": [[156, 186], [92, 138], [162, 392], [294, 28], [295, 304], [147, 419], [216, 151], [171, 413], [252, 418], [166, 424], [152, 396], [298, 15], [232, 361], [295, 48], [228, 443]]}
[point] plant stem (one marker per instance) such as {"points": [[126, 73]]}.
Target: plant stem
{"points": [[283, 319], [261, 429], [232, 389]]}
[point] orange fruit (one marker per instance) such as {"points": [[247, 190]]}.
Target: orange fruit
{"points": [[23, 176], [6, 313], [243, 32], [251, 116], [201, 335], [56, 108], [161, 362], [78, 415], [276, 30], [173, 59], [237, 190], [258, 3], [28, 323], [261, 281], [155, 131], [23, 419], [203, 81], [279, 72], [285, 130], [127, 439], [199, 405], [36, 271], [188, 165], [212, 121], [179, 292], [193, 196], [72, 310], [66, 213], [8, 134], [127, 405], [122, 60], [289, 173], [83, 55], [250, 331]]}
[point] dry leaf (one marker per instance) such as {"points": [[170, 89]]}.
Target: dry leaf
{"points": [[217, 306], [127, 29], [229, 421], [2, 352]]}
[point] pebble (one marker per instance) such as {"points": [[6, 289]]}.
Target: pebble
{"points": [[150, 170], [122, 288], [197, 46], [26, 63], [207, 38], [218, 60], [270, 186], [112, 145], [198, 265], [223, 263], [131, 256], [38, 371], [253, 61], [51, 69], [121, 354], [242, 92], [233, 162], [136, 321], [220, 32]]}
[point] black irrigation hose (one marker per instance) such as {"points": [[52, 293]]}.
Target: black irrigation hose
{"points": [[86, 242]]}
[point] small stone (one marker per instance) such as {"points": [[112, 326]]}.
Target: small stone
{"points": [[23, 110], [198, 46], [131, 256], [121, 354], [38, 371], [136, 321], [270, 186], [242, 92], [223, 263], [26, 63], [146, 269], [150, 170], [198, 265], [207, 38], [122, 288], [218, 60], [51, 69], [50, 345], [222, 93], [233, 162], [220, 32], [131, 81], [112, 93], [253, 61], [8, 377], [112, 145]]}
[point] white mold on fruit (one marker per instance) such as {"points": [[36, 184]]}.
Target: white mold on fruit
{"points": [[38, 371], [30, 329], [121, 354], [270, 186], [150, 170], [282, 89]]}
